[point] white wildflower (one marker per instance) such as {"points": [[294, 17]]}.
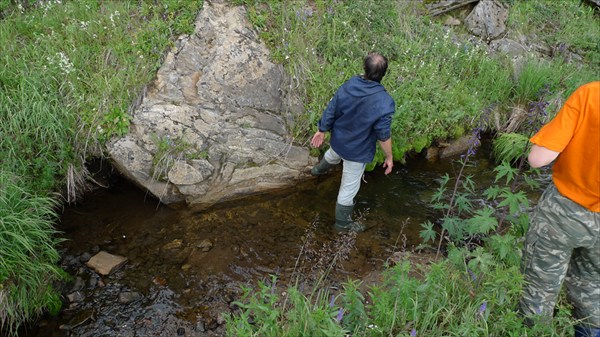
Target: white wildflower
{"points": [[114, 16]]}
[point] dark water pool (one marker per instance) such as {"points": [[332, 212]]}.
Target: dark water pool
{"points": [[186, 267]]}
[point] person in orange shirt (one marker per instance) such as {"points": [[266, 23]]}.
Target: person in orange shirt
{"points": [[562, 244]]}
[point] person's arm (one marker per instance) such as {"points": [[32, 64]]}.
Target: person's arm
{"points": [[540, 156], [386, 146]]}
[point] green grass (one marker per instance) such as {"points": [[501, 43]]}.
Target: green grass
{"points": [[444, 298], [28, 263], [565, 24], [69, 74], [440, 84]]}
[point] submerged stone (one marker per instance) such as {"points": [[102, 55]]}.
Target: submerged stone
{"points": [[105, 263]]}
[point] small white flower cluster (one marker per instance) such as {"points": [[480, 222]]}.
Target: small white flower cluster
{"points": [[47, 5], [114, 16], [62, 61]]}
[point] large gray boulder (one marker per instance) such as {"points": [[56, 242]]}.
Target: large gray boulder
{"points": [[215, 124], [488, 19]]}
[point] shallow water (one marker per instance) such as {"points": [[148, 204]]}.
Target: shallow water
{"points": [[186, 267]]}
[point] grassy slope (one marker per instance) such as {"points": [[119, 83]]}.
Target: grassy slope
{"points": [[68, 73], [441, 83]]}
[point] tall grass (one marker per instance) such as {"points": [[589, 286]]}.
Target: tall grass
{"points": [[563, 25], [440, 81], [28, 263], [70, 73]]}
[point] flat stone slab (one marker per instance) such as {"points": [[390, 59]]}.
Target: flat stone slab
{"points": [[105, 263]]}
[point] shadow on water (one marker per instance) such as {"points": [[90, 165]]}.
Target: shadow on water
{"points": [[185, 268]]}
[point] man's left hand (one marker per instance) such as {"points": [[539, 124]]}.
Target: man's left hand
{"points": [[317, 139], [388, 164]]}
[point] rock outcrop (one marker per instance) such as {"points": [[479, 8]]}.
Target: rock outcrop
{"points": [[215, 124], [488, 19]]}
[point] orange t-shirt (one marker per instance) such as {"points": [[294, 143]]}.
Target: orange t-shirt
{"points": [[575, 133]]}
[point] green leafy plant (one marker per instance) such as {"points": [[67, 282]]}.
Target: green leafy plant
{"points": [[510, 146], [115, 123]]}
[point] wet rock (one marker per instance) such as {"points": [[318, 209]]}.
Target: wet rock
{"points": [[105, 263], [200, 326], [159, 281], [78, 285], [433, 153], [71, 262], [75, 296], [129, 296], [458, 146], [177, 243], [85, 257], [221, 318], [93, 281], [65, 327], [205, 246]]}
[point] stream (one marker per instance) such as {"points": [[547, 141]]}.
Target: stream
{"points": [[185, 267]]}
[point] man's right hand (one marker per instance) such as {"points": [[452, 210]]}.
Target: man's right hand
{"points": [[317, 139]]}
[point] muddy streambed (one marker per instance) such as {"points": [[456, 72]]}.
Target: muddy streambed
{"points": [[186, 267]]}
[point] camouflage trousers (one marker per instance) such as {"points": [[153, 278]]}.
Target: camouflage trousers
{"points": [[562, 245]]}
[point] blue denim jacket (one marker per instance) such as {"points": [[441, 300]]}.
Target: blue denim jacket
{"points": [[358, 115]]}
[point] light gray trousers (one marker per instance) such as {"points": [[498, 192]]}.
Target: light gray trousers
{"points": [[351, 177]]}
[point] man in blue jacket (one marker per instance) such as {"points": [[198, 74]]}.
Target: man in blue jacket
{"points": [[358, 115]]}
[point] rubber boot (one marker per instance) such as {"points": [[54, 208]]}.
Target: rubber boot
{"points": [[343, 219], [586, 331], [321, 168]]}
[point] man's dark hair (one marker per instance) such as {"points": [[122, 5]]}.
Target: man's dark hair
{"points": [[375, 66]]}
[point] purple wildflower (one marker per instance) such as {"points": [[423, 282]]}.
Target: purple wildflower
{"points": [[340, 315], [473, 276], [332, 301], [413, 332], [483, 307]]}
